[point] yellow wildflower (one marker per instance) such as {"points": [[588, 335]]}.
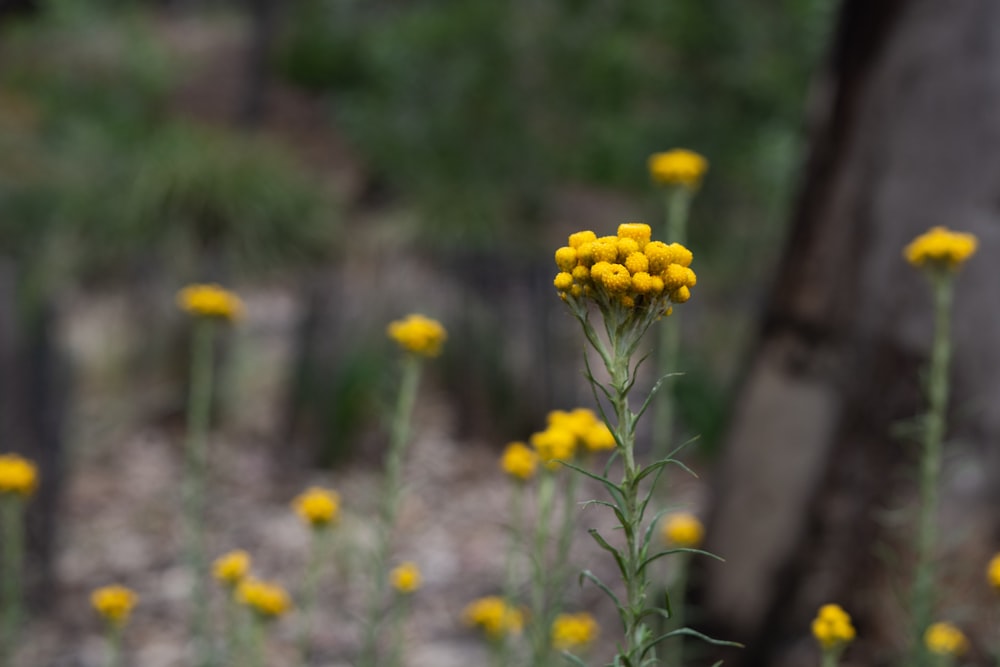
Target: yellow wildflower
{"points": [[519, 461], [683, 529], [18, 475], [210, 301], [267, 600], [941, 248], [494, 616], [945, 639], [114, 603], [832, 627], [570, 631], [640, 232], [406, 578], [599, 438], [231, 568], [993, 572], [678, 167], [419, 335], [554, 444], [318, 507]]}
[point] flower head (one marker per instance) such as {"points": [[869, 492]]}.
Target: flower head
{"points": [[570, 631], [18, 475], [940, 248], [231, 568], [945, 639], [993, 572], [210, 301], [114, 603], [519, 461], [683, 529], [832, 627], [406, 578], [419, 335], [267, 600], [678, 167], [554, 444], [494, 616], [318, 507]]}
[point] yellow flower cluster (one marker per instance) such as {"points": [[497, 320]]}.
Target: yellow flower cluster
{"points": [[267, 600], [317, 507], [231, 568], [496, 618], [419, 335], [18, 475], [571, 631], [406, 578], [210, 301], [678, 167], [114, 603], [628, 270], [568, 432], [519, 461], [941, 248], [945, 639], [993, 572], [832, 627], [683, 529]]}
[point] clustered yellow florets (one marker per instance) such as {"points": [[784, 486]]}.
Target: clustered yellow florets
{"points": [[318, 507], [519, 461], [419, 335], [683, 529], [267, 600], [18, 475], [941, 248], [210, 301], [406, 578], [496, 618], [832, 627], [678, 167], [571, 631], [628, 270], [567, 433], [945, 639], [114, 603], [993, 572], [231, 568]]}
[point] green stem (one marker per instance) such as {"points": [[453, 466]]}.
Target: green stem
{"points": [[12, 508], [674, 651], [115, 632], [233, 650], [259, 644], [194, 483], [930, 467], [317, 555], [678, 202], [831, 658], [502, 650], [395, 457], [541, 612], [399, 613]]}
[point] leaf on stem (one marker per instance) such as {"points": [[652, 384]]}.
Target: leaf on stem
{"points": [[587, 574]]}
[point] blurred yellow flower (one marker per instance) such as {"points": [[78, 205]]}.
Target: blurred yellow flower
{"points": [[993, 572], [599, 438], [683, 529], [231, 568], [945, 639], [554, 444], [496, 618], [678, 167], [317, 507], [832, 627], [406, 577], [267, 600], [419, 335], [114, 603], [570, 631], [519, 461], [941, 248], [18, 475], [210, 301]]}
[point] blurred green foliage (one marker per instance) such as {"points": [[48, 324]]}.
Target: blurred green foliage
{"points": [[475, 107]]}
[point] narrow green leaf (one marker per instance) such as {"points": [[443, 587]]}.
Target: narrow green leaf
{"points": [[587, 574], [667, 552], [618, 512], [572, 659], [610, 549], [692, 633]]}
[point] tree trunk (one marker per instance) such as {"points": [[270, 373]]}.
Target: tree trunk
{"points": [[905, 135]]}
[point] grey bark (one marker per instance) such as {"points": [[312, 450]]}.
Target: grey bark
{"points": [[905, 135]]}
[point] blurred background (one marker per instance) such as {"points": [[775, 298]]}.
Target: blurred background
{"points": [[342, 163]]}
